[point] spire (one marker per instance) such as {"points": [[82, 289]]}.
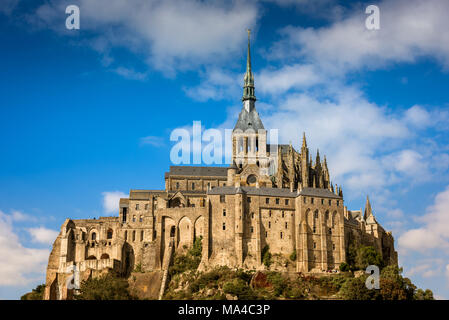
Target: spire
{"points": [[368, 210], [248, 80], [304, 142]]}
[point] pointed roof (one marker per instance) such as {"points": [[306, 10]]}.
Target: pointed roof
{"points": [[304, 142], [369, 216]]}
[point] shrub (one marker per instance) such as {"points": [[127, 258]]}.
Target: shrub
{"points": [[279, 283], [35, 294], [107, 287], [239, 288], [368, 255], [344, 267], [266, 256], [293, 255]]}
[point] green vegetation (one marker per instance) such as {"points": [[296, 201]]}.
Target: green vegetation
{"points": [[35, 294], [107, 287], [293, 255], [266, 256], [189, 261], [138, 268]]}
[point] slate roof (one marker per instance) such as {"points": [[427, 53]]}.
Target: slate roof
{"points": [[144, 194], [284, 148], [317, 192], [249, 120], [197, 171]]}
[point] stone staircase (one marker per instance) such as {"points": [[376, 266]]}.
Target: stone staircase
{"points": [[165, 265]]}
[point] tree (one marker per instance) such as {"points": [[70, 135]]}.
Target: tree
{"points": [[266, 256], [420, 294], [355, 289], [35, 294], [106, 287], [368, 255]]}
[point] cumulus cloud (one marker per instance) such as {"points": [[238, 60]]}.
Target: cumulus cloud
{"points": [[43, 235], [410, 29], [169, 35], [111, 200], [433, 232], [19, 265]]}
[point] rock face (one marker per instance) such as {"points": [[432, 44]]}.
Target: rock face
{"points": [[271, 195]]}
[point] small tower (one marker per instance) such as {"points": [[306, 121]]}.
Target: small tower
{"points": [[304, 162]]}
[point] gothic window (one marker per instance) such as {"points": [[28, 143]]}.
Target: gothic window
{"points": [[330, 230], [94, 236], [314, 229], [269, 213], [266, 234], [125, 211], [109, 234]]}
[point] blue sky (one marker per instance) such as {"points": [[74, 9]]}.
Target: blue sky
{"points": [[86, 115]]}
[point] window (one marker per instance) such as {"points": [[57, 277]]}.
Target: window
{"points": [[314, 245], [222, 198], [134, 235], [266, 234], [137, 206], [252, 215], [311, 200], [269, 213], [94, 236], [109, 234], [125, 211], [126, 235], [314, 229], [146, 206], [134, 218], [282, 235], [286, 202], [224, 212], [283, 215], [224, 226], [304, 199], [248, 199], [277, 200], [208, 185], [177, 185], [193, 185], [322, 201], [251, 229], [330, 230], [338, 202], [330, 202], [141, 235], [269, 224], [286, 225], [267, 200], [315, 215], [140, 218], [326, 215], [333, 246]]}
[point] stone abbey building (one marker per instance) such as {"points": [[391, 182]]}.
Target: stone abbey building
{"points": [[270, 195]]}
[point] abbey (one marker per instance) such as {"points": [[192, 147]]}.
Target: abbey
{"points": [[271, 197]]}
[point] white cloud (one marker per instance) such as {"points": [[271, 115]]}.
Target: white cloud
{"points": [[43, 235], [8, 6], [19, 265], [409, 29], [111, 201], [418, 116], [433, 232], [169, 35], [130, 73]]}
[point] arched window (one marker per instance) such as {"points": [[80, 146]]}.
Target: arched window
{"points": [[315, 215], [109, 234], [134, 218], [94, 236], [126, 235], [141, 235], [104, 256], [134, 235]]}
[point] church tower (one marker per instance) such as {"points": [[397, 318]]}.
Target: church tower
{"points": [[249, 137]]}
